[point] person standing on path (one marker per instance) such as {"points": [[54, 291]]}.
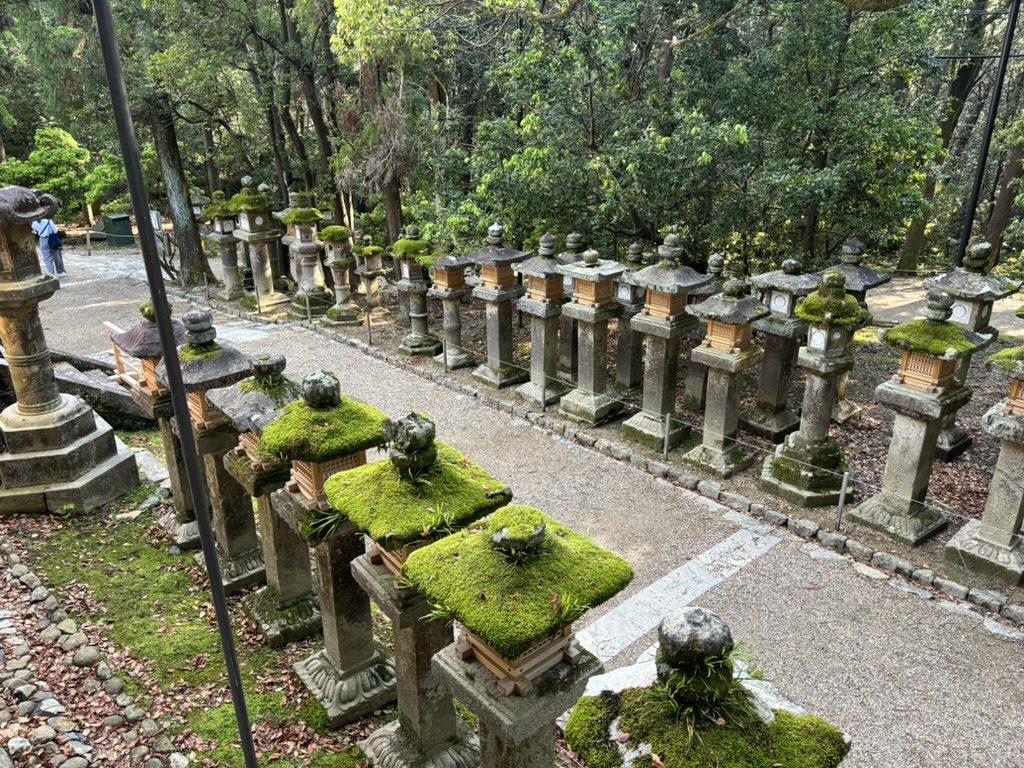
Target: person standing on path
{"points": [[53, 258]]}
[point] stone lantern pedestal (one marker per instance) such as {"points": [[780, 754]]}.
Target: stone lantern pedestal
{"points": [[59, 454], [255, 230], [782, 331], [498, 289], [994, 545], [371, 268], [410, 255], [696, 383], [450, 287], [223, 220], [592, 307], [727, 351], [629, 342], [312, 299], [543, 302], [340, 262], [663, 322], [568, 328], [922, 394]]}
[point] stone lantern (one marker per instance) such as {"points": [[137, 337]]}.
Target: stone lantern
{"points": [[516, 663], [783, 330], [295, 200], [696, 372], [286, 609], [450, 287], [568, 335], [859, 280], [498, 288], [256, 230], [59, 454], [390, 502], [923, 392], [312, 299], [413, 257], [223, 219], [663, 322], [369, 267], [543, 302], [339, 259], [629, 347], [321, 435], [727, 351], [807, 468], [994, 545], [975, 290], [592, 307], [207, 365]]}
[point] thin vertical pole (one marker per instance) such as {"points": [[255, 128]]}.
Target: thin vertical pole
{"points": [[668, 435], [190, 454], [842, 499]]}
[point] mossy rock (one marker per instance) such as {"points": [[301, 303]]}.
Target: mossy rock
{"points": [[926, 337], [1011, 360], [843, 311], [309, 434], [512, 603], [395, 511], [335, 234], [302, 216], [792, 741]]}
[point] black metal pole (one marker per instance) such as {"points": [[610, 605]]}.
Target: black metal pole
{"points": [[993, 108], [190, 454]]}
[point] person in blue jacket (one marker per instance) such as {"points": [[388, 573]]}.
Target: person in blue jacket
{"points": [[53, 258]]}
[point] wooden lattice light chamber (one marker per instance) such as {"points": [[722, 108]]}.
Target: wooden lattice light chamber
{"points": [[517, 676], [927, 372], [727, 337], [308, 477], [593, 294], [545, 289], [498, 276], [204, 416], [664, 305]]}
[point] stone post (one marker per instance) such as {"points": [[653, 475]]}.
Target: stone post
{"points": [[498, 289], [695, 393], [412, 255], [923, 392], [543, 302], [312, 299], [372, 267], [975, 290], [568, 329], [663, 323], [727, 352], [295, 200], [629, 347], [807, 468], [783, 331], [592, 307], [286, 609], [256, 231], [341, 262], [450, 287], [206, 365], [223, 227], [993, 545], [59, 455]]}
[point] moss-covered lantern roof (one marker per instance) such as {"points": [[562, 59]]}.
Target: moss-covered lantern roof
{"points": [[832, 305], [301, 216], [253, 403], [934, 336], [143, 339], [324, 425], [205, 364], [1009, 360], [733, 306], [397, 507], [249, 201], [517, 578], [335, 234], [219, 208]]}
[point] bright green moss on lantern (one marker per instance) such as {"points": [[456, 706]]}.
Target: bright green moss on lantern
{"points": [[219, 208], [396, 511], [249, 201], [843, 311], [280, 391], [302, 216], [793, 741], [148, 312], [1011, 360], [190, 352], [308, 434], [335, 234], [513, 601], [929, 338]]}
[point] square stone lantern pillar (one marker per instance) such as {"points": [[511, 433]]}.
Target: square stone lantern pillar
{"points": [[974, 290], [696, 381], [543, 302], [58, 453], [321, 435], [450, 287], [807, 469], [207, 365], [413, 256], [783, 331], [568, 333], [859, 280], [312, 299], [663, 322], [592, 307], [287, 609], [338, 247], [369, 267], [923, 391], [390, 502], [295, 200], [142, 341], [256, 229], [994, 546], [220, 215], [629, 342], [516, 663], [498, 288], [727, 352]]}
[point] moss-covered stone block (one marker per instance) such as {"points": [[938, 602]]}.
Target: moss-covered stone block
{"points": [[927, 337], [304, 433]]}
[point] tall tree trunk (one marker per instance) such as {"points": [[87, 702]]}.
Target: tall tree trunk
{"points": [[277, 144], [369, 102], [393, 209], [186, 234], [1004, 202], [212, 172], [296, 141]]}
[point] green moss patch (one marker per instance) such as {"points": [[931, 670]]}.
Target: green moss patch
{"points": [[930, 338], [843, 311], [250, 202], [1011, 360], [302, 216], [396, 511], [280, 391], [308, 434], [513, 603], [190, 352], [791, 741], [335, 234]]}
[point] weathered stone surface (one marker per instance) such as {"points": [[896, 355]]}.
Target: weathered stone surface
{"points": [[988, 599], [776, 518], [832, 540], [689, 638], [895, 563], [951, 588], [41, 734], [860, 551], [804, 528], [86, 656], [1014, 613]]}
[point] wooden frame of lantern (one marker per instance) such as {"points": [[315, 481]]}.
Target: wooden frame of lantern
{"points": [[249, 446], [926, 372], [1015, 402], [497, 276], [204, 416], [308, 477], [392, 559], [664, 305], [412, 270], [546, 289], [591, 293], [453, 279], [517, 676], [729, 338]]}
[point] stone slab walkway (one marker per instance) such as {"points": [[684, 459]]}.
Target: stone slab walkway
{"points": [[916, 680]]}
